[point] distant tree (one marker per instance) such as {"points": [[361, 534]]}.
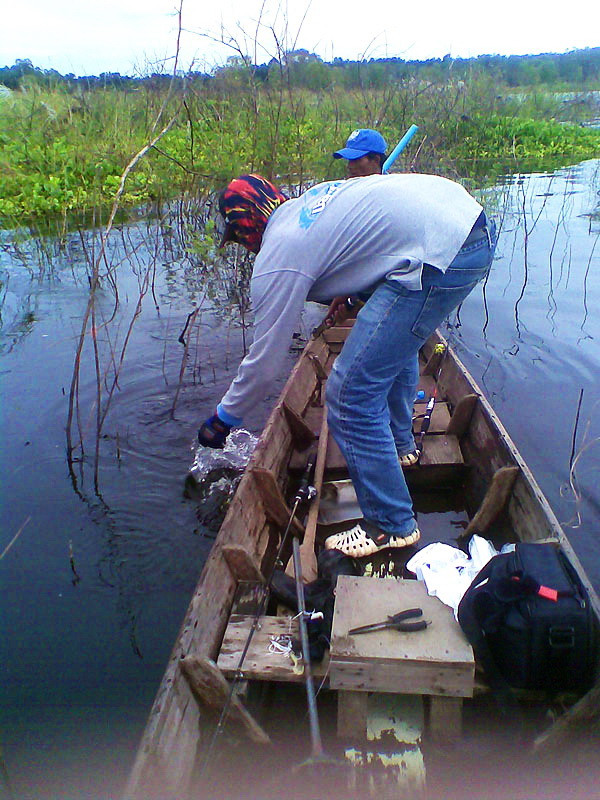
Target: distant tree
{"points": [[578, 69], [13, 76]]}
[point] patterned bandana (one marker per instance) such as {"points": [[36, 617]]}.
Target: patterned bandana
{"points": [[246, 205]]}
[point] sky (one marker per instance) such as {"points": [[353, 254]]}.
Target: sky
{"points": [[135, 37]]}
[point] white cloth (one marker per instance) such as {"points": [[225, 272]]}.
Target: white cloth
{"points": [[448, 571]]}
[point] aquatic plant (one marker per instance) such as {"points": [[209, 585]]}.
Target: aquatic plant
{"points": [[63, 152]]}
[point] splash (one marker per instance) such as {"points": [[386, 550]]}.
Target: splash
{"points": [[214, 477], [235, 456]]}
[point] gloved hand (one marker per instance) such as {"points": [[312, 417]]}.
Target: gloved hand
{"points": [[213, 432]]}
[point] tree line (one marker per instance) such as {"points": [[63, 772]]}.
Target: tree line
{"points": [[576, 70]]}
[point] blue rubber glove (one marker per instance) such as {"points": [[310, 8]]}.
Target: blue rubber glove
{"points": [[213, 432]]}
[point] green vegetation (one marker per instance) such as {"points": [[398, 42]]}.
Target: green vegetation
{"points": [[65, 142]]}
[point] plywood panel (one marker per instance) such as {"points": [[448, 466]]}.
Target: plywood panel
{"points": [[438, 660]]}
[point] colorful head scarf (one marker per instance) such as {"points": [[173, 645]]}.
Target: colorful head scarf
{"points": [[246, 205]]}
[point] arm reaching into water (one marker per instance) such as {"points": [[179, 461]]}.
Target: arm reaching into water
{"points": [[278, 299]]}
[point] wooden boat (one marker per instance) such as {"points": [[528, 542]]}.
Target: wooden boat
{"points": [[469, 466]]}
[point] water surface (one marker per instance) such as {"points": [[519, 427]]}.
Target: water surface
{"points": [[104, 560]]}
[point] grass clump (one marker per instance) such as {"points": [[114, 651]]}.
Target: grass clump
{"points": [[65, 149]]}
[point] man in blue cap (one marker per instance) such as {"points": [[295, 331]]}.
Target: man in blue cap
{"points": [[365, 153]]}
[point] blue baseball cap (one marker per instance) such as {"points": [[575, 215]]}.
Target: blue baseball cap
{"points": [[361, 142]]}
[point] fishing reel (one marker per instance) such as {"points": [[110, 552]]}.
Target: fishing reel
{"points": [[305, 493]]}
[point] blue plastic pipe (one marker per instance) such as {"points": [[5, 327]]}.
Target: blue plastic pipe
{"points": [[399, 148]]}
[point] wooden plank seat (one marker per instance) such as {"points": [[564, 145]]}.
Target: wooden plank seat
{"points": [[437, 662], [440, 418], [441, 463], [260, 664]]}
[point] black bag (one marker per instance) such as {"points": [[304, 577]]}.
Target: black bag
{"points": [[530, 623]]}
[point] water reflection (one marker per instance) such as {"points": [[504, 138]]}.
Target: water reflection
{"points": [[529, 337], [110, 550]]}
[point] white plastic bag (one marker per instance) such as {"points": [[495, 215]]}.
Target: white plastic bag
{"points": [[448, 571]]}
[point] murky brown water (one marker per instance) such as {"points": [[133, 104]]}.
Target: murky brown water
{"points": [[101, 568]]}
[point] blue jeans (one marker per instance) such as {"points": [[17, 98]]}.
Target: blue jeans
{"points": [[371, 389]]}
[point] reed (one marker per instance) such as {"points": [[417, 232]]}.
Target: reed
{"points": [[63, 152]]}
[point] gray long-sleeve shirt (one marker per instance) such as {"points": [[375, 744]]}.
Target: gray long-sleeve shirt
{"points": [[342, 238]]}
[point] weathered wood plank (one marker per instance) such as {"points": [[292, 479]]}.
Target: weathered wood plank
{"points": [[352, 709], [318, 366], [302, 383], [301, 433], [210, 689], [427, 385], [438, 660], [440, 418], [439, 450], [242, 564], [494, 501], [445, 718], [260, 663], [401, 677], [248, 597], [275, 507], [308, 556], [336, 335], [461, 417], [433, 362], [580, 716]]}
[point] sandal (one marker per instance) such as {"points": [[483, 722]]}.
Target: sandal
{"points": [[409, 459], [357, 542]]}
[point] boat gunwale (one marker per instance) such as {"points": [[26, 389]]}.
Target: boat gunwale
{"points": [[525, 477], [151, 755], [150, 746]]}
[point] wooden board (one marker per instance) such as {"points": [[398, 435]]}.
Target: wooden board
{"points": [[441, 462], [437, 661], [440, 450], [260, 664], [440, 418]]}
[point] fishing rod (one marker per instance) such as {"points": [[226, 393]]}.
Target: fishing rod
{"points": [[442, 349], [313, 716], [387, 164], [305, 492]]}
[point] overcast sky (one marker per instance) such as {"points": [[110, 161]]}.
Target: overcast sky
{"points": [[133, 36]]}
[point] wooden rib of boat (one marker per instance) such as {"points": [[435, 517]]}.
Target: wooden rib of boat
{"points": [[467, 450]]}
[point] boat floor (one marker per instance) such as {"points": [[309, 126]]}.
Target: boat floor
{"points": [[489, 761], [492, 757], [442, 522]]}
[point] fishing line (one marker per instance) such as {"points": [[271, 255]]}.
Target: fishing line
{"points": [[575, 429]]}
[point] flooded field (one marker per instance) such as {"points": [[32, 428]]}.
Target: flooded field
{"points": [[99, 547]]}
